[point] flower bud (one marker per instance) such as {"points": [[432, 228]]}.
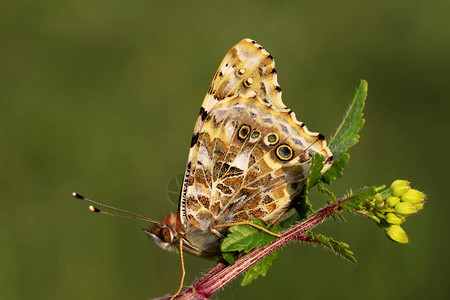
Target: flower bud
{"points": [[378, 196], [397, 234], [375, 218], [405, 208], [399, 187], [419, 206], [392, 201], [379, 204], [413, 196], [394, 219], [380, 215]]}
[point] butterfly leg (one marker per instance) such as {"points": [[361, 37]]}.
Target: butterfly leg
{"points": [[183, 271], [249, 224], [217, 233]]}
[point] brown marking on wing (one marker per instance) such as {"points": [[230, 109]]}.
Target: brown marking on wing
{"points": [[193, 203], [224, 189], [270, 207], [257, 213], [192, 221], [233, 182], [215, 208], [200, 177], [204, 201], [279, 193], [242, 216], [267, 200]]}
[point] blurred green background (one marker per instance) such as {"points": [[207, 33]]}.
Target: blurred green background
{"points": [[100, 97]]}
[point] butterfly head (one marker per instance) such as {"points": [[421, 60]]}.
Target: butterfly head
{"points": [[166, 234]]}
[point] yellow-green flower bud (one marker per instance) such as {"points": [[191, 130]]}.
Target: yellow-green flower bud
{"points": [[375, 218], [379, 204], [378, 197], [413, 196], [399, 187], [397, 234], [419, 206], [392, 201], [380, 214], [394, 219], [405, 208]]}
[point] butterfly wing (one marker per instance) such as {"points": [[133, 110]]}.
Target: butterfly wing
{"points": [[247, 68], [249, 155]]}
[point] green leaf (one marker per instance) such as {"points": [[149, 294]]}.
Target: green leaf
{"points": [[260, 268], [302, 206], [335, 171], [347, 134], [291, 218], [356, 199], [326, 191], [301, 203], [229, 257], [338, 248], [315, 171], [245, 237]]}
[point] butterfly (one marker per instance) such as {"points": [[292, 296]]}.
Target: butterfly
{"points": [[249, 157]]}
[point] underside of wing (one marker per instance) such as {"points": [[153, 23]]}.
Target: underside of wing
{"points": [[251, 162], [249, 155]]}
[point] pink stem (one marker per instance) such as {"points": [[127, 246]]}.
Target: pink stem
{"points": [[220, 275]]}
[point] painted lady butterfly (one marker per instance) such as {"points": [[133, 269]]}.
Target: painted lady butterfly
{"points": [[249, 156]]}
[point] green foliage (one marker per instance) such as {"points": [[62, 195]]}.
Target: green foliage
{"points": [[335, 171], [324, 190], [383, 206], [315, 172], [230, 257], [347, 134], [338, 248], [302, 207], [302, 204], [245, 237], [260, 268], [355, 200]]}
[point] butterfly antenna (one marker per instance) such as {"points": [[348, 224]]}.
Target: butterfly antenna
{"points": [[133, 216]]}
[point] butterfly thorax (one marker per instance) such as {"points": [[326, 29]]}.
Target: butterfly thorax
{"points": [[167, 234]]}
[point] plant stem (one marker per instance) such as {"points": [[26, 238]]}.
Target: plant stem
{"points": [[220, 275]]}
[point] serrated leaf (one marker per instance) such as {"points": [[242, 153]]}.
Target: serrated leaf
{"points": [[302, 206], [229, 257], [301, 203], [354, 203], [259, 269], [335, 171], [347, 134], [245, 237], [326, 191], [292, 218], [315, 171], [338, 248]]}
